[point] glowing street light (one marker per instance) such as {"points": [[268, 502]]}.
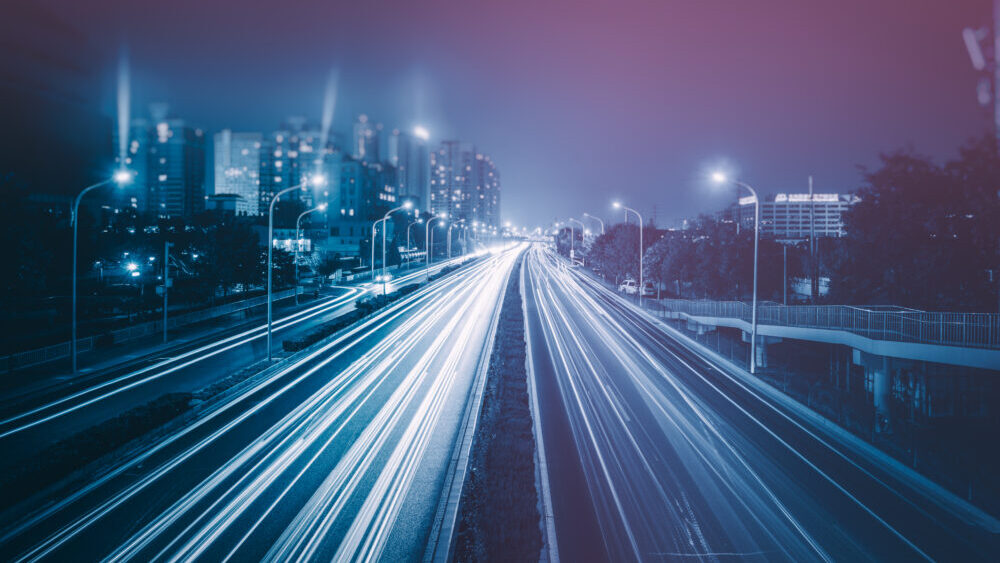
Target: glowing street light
{"points": [[316, 180], [721, 178], [406, 205], [421, 133], [429, 241], [618, 205], [595, 218], [298, 242], [121, 177], [417, 222]]}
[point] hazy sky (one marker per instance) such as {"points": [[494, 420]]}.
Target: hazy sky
{"points": [[578, 102]]}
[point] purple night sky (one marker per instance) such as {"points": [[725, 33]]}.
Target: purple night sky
{"points": [[578, 102]]}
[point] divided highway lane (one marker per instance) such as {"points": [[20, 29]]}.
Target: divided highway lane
{"points": [[341, 454], [654, 452], [31, 423]]}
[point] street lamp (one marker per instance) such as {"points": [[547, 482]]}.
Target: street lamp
{"points": [[406, 205], [721, 178], [315, 180], [417, 222], [598, 219], [618, 205], [120, 177], [429, 241], [298, 241]]}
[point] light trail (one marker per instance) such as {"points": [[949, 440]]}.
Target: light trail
{"points": [[86, 397], [741, 470], [384, 407], [662, 514]]}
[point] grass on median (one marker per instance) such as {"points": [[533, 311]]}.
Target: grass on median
{"points": [[498, 517]]}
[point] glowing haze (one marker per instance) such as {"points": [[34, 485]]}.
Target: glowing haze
{"points": [[577, 102]]}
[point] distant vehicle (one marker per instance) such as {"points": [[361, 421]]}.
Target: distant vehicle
{"points": [[628, 287], [648, 290]]}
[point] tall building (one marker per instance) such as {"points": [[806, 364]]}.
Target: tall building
{"points": [[362, 191], [464, 184], [168, 159], [452, 179], [237, 168], [290, 155], [792, 217], [409, 153], [486, 200], [366, 140]]}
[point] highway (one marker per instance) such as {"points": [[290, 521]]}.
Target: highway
{"points": [[656, 450], [31, 420], [340, 454]]}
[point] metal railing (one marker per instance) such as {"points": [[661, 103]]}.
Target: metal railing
{"points": [[974, 330], [62, 350]]}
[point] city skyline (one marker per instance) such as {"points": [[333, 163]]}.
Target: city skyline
{"points": [[455, 92]]}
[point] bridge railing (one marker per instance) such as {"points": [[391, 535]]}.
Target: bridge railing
{"points": [[975, 330]]}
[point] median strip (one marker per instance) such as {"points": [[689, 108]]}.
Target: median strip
{"points": [[498, 516]]}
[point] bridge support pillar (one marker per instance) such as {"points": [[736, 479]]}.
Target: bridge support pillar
{"points": [[761, 358], [762, 345], [878, 381]]}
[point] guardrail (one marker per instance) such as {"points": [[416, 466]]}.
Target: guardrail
{"points": [[974, 330], [62, 350]]}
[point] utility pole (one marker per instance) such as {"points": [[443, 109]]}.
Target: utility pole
{"points": [[166, 284], [813, 247], [784, 274]]}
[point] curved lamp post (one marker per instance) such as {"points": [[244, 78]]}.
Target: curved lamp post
{"points": [[406, 205], [417, 222], [315, 180], [121, 177], [721, 178], [639, 217], [298, 239], [429, 240], [595, 218]]}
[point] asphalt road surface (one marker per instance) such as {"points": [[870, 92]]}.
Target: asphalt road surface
{"points": [[657, 451], [340, 454], [33, 419]]}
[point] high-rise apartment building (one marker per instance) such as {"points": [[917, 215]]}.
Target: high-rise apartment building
{"points": [[409, 153], [486, 199], [464, 184], [237, 168], [168, 159]]}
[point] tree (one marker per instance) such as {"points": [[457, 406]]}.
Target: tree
{"points": [[924, 235], [232, 257], [616, 252]]}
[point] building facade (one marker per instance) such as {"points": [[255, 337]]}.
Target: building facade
{"points": [[409, 154], [796, 217], [167, 157], [465, 184], [237, 168]]}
